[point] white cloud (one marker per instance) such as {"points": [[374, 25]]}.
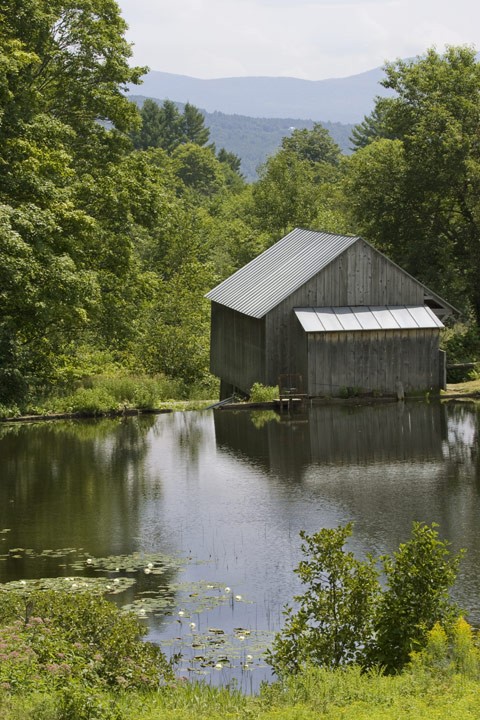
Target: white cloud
{"points": [[313, 39]]}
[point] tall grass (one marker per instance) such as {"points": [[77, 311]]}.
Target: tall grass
{"points": [[102, 394], [314, 695]]}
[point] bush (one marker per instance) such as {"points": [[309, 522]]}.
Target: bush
{"points": [[334, 620], [80, 703], [419, 576], [52, 638], [344, 618], [462, 345], [452, 651], [263, 393]]}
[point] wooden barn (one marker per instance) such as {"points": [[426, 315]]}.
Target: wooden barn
{"points": [[331, 311]]}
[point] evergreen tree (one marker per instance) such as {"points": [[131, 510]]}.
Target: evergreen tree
{"points": [[150, 133], [194, 129]]}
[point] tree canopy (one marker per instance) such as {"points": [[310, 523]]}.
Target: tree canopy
{"points": [[115, 220], [413, 185]]}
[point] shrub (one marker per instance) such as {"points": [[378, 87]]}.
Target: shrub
{"points": [[344, 618], [334, 619], [80, 703], [56, 638], [450, 652], [419, 576], [263, 393]]}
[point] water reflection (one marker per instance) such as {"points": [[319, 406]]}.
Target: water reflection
{"points": [[229, 492], [380, 466], [337, 435], [73, 485]]}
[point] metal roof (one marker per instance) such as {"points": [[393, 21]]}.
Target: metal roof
{"points": [[271, 277], [380, 317]]}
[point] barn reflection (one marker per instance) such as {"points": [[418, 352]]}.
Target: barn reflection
{"points": [[336, 434]]}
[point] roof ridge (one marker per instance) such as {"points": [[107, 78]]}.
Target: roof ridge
{"points": [[299, 249]]}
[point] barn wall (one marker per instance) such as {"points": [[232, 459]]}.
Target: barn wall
{"points": [[237, 347], [360, 276], [373, 361]]}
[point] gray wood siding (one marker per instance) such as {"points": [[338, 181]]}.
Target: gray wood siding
{"points": [[237, 347], [371, 361], [360, 276], [245, 350]]}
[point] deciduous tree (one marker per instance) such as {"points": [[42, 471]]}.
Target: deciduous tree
{"points": [[431, 213]]}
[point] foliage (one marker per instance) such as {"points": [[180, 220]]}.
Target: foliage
{"points": [[198, 168], [263, 393], [284, 195], [418, 579], [176, 327], [52, 639], [254, 140], [50, 244], [412, 187], [462, 343], [355, 695], [315, 145], [344, 618], [291, 190], [166, 127], [333, 622], [420, 692], [371, 128], [102, 394], [451, 651]]}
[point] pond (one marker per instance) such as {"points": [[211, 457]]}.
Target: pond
{"points": [[192, 519]]}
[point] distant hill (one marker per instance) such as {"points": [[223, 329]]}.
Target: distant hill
{"points": [[254, 139], [345, 100]]}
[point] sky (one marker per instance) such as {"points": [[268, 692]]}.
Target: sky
{"points": [[310, 39]]}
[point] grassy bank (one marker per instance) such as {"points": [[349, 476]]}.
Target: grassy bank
{"points": [[104, 394], [120, 393], [470, 387], [329, 695], [72, 655]]}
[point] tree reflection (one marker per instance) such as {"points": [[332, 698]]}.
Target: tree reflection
{"points": [[74, 484]]}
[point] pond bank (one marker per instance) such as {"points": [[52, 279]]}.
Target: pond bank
{"points": [[461, 391]]}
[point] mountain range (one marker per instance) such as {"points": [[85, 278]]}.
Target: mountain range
{"points": [[345, 100], [250, 115]]}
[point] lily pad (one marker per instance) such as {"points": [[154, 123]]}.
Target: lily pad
{"points": [[102, 586], [155, 563]]}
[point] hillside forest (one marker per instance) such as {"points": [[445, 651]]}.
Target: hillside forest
{"points": [[115, 220], [254, 139]]}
